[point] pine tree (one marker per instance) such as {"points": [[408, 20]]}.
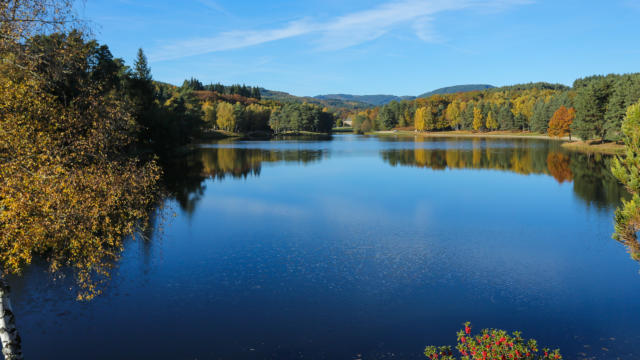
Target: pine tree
{"points": [[505, 117], [627, 170], [626, 92], [142, 70], [591, 104], [539, 119]]}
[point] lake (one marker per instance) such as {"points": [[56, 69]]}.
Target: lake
{"points": [[356, 247]]}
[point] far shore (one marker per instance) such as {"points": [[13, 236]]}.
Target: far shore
{"points": [[574, 144], [466, 133]]}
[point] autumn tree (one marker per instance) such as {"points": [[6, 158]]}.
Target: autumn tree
{"points": [[69, 189], [422, 119], [225, 116], [209, 110], [560, 124], [453, 115], [477, 118], [492, 124]]}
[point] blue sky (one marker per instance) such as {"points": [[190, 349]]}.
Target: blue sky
{"points": [[400, 47]]}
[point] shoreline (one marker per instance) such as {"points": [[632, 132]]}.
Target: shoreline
{"points": [[470, 134]]}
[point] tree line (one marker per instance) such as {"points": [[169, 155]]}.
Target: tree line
{"points": [[593, 107], [235, 89]]}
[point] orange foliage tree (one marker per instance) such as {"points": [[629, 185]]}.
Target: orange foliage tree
{"points": [[561, 121]]}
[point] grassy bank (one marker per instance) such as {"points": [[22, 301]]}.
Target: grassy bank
{"points": [[595, 146]]}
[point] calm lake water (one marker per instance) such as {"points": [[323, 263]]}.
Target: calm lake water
{"points": [[357, 247]]}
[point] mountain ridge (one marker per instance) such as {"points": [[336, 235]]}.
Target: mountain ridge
{"points": [[364, 101]]}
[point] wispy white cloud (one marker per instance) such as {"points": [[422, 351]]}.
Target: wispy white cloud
{"points": [[425, 31], [215, 6], [228, 41], [340, 32]]}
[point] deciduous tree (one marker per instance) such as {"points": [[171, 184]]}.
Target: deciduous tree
{"points": [[492, 124], [477, 118], [560, 124]]}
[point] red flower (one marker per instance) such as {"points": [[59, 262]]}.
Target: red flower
{"points": [[463, 339], [467, 330]]}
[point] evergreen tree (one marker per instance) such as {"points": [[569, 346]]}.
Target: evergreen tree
{"points": [[386, 118], [505, 117], [626, 91], [591, 104], [627, 170], [141, 93], [142, 70], [539, 120]]}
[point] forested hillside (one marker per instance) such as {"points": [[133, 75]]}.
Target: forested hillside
{"points": [[375, 100], [378, 100], [455, 89], [593, 108], [328, 102]]}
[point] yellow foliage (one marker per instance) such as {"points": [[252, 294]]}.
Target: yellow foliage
{"points": [[68, 190]]}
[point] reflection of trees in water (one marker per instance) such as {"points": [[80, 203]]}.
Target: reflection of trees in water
{"points": [[481, 155], [559, 166], [184, 176], [593, 181]]}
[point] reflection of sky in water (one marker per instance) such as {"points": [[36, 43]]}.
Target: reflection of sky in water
{"points": [[349, 256]]}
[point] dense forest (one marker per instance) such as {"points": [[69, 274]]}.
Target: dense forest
{"points": [[593, 107]]}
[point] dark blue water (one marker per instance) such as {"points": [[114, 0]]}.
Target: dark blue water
{"points": [[356, 247]]}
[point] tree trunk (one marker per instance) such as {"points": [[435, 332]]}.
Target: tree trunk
{"points": [[11, 343]]}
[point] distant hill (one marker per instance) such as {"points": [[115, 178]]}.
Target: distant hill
{"points": [[378, 100], [328, 102], [456, 89], [375, 100]]}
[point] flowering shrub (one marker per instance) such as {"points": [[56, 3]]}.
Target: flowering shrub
{"points": [[492, 344]]}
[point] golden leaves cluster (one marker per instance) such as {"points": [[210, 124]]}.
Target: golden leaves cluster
{"points": [[69, 190]]}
